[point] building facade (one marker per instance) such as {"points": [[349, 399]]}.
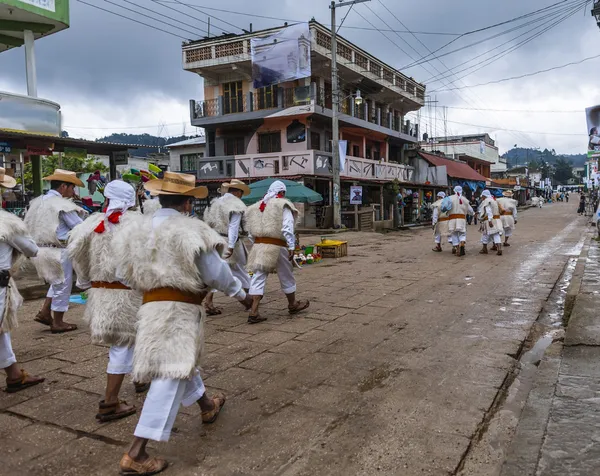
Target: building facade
{"points": [[285, 130]]}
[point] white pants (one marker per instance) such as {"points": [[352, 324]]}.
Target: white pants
{"points": [[285, 271], [458, 237], [162, 405], [508, 232], [438, 239], [7, 356], [497, 237], [239, 271], [120, 360], [60, 293]]}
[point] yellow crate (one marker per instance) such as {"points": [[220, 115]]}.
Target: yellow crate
{"points": [[333, 249]]}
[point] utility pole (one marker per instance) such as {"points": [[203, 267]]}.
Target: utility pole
{"points": [[335, 121]]}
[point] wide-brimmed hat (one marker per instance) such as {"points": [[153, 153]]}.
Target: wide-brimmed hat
{"points": [[508, 193], [237, 184], [64, 176], [6, 181], [176, 184]]}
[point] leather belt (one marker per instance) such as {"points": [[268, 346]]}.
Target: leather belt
{"points": [[457, 217], [109, 285], [62, 244], [507, 213], [173, 295], [270, 241], [496, 217], [444, 219]]}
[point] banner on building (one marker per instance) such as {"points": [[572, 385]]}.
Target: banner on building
{"points": [[343, 152], [592, 116], [356, 195], [282, 56]]}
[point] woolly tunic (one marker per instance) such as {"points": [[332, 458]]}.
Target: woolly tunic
{"points": [[42, 220], [509, 206], [458, 208], [170, 334], [485, 227], [267, 224], [218, 217], [111, 313], [441, 226]]}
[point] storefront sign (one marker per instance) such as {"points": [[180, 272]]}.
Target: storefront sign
{"points": [[121, 158], [33, 150], [5, 148], [356, 192]]}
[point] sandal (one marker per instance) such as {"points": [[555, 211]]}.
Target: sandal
{"points": [[151, 466], [40, 318], [211, 416], [23, 382], [256, 319], [506, 244], [213, 311], [437, 250], [141, 387], [299, 306], [108, 411], [62, 330]]}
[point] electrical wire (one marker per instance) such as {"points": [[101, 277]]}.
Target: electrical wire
{"points": [[529, 111], [166, 16], [193, 7]]}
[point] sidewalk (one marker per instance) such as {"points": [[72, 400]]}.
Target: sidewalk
{"points": [[559, 430]]}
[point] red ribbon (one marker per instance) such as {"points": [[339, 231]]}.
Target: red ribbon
{"points": [[113, 218], [263, 205]]}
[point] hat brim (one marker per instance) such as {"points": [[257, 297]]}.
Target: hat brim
{"points": [[155, 189], [8, 182], [64, 178], [243, 187]]}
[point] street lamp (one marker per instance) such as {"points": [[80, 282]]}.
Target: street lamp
{"points": [[596, 12], [358, 98]]}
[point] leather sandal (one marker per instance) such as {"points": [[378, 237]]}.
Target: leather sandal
{"points": [[45, 320], [299, 306], [23, 382], [151, 466], [141, 387], [256, 319], [62, 330], [108, 411], [211, 416]]}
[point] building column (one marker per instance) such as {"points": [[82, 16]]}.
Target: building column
{"points": [[364, 148], [36, 171], [30, 68], [381, 204], [356, 225]]}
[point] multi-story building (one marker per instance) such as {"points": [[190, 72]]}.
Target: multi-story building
{"points": [[479, 151], [285, 130]]}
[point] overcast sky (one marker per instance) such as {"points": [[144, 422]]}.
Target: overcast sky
{"points": [[112, 75]]}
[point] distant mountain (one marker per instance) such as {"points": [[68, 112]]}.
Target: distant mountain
{"points": [[522, 156], [142, 140]]}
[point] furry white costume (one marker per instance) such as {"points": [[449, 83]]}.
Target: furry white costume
{"points": [[440, 219], [111, 313], [508, 214], [43, 220], [150, 206]]}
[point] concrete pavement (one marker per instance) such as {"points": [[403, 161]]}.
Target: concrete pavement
{"points": [[398, 367]]}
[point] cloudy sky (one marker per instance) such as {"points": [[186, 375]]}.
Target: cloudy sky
{"points": [[111, 74]]}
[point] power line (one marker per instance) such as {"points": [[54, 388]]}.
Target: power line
{"points": [[193, 7], [524, 75], [166, 16], [533, 111], [133, 19]]}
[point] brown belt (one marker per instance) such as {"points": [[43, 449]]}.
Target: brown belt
{"points": [[108, 285], [444, 219], [457, 217], [270, 241], [496, 217], [174, 295], [507, 213]]}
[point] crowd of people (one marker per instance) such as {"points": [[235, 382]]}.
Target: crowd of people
{"points": [[148, 276]]}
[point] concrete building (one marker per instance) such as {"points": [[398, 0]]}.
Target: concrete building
{"points": [[285, 130], [479, 151], [185, 155]]}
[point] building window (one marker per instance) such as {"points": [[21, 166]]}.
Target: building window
{"points": [[188, 161], [269, 142], [233, 97], [315, 141], [234, 146], [355, 151], [266, 97], [328, 141]]}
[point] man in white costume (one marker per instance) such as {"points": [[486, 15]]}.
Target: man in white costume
{"points": [[270, 223], [174, 260], [50, 219], [112, 306], [491, 224], [439, 222], [14, 242], [225, 215], [508, 214], [457, 223]]}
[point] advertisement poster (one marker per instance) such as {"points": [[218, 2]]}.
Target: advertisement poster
{"points": [[356, 192], [283, 56], [592, 115]]}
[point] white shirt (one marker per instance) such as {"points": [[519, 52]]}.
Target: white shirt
{"points": [[22, 243], [214, 271], [434, 218], [66, 220], [287, 229]]}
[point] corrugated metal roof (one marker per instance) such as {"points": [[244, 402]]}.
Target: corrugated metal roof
{"points": [[454, 169], [195, 141]]}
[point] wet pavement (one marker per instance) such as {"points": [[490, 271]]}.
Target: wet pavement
{"points": [[399, 367]]}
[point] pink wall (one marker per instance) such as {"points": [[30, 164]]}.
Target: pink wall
{"points": [[278, 124]]}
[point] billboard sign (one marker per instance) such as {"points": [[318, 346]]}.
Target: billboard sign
{"points": [[40, 10], [592, 116], [282, 56]]}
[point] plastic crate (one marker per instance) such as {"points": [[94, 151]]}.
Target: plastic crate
{"points": [[333, 249]]}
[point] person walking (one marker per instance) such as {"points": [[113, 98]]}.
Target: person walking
{"points": [[491, 224], [457, 224], [581, 208], [508, 215], [439, 222], [50, 219]]}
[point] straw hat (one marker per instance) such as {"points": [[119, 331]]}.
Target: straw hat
{"points": [[64, 176], [6, 181], [237, 184], [508, 194], [176, 184]]}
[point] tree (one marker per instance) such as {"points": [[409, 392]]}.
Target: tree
{"points": [[74, 164], [563, 170]]}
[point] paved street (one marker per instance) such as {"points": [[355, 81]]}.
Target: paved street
{"points": [[398, 367]]}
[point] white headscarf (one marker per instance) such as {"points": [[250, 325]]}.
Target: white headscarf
{"points": [[486, 194], [276, 187], [121, 196], [458, 190], [441, 195]]}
